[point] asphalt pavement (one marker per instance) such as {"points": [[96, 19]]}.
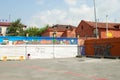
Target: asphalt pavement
{"points": [[61, 69]]}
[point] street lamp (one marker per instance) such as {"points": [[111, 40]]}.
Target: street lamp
{"points": [[54, 35], [95, 20], [26, 46]]}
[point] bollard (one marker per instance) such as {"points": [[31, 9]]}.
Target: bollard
{"points": [[5, 58], [21, 58], [28, 56]]}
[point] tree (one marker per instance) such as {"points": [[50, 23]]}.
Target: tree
{"points": [[16, 28], [43, 29], [34, 31]]}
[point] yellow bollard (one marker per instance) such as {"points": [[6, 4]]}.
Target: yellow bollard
{"points": [[21, 58], [5, 58]]}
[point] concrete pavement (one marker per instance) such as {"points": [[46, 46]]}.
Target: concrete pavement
{"points": [[61, 69]]}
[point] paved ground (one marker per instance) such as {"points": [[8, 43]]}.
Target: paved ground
{"points": [[61, 69]]}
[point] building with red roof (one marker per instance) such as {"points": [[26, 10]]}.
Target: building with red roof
{"points": [[88, 29], [3, 27], [60, 31]]}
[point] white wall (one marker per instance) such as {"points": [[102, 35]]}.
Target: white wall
{"points": [[39, 51], [3, 30]]}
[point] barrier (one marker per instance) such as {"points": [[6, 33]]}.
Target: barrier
{"points": [[4, 58], [10, 58], [21, 40], [20, 52], [22, 58], [109, 47]]}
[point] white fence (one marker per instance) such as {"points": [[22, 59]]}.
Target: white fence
{"points": [[38, 51]]}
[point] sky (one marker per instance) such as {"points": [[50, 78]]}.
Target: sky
{"points": [[39, 13]]}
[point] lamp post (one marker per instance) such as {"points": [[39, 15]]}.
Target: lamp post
{"points": [[26, 45], [95, 20], [54, 35], [106, 27]]}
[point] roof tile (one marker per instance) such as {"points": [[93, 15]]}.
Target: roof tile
{"points": [[5, 23], [103, 25]]}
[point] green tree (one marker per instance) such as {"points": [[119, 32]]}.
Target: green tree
{"points": [[34, 31], [43, 29], [16, 28]]}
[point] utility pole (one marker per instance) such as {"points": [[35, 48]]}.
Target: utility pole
{"points": [[97, 36], [106, 26]]}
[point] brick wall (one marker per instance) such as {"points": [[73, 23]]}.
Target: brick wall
{"points": [[50, 34], [113, 44], [115, 33], [46, 33], [58, 34], [84, 29], [69, 33]]}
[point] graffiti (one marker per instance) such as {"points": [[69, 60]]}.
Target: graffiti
{"points": [[40, 50], [102, 49]]}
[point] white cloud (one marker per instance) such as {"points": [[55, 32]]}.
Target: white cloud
{"points": [[107, 7], [40, 2], [55, 16], [49, 17], [82, 12], [74, 14], [71, 2]]}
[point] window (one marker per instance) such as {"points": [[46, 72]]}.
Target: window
{"points": [[116, 27]]}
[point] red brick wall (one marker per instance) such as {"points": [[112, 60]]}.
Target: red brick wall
{"points": [[115, 33], [84, 29], [50, 34], [113, 42], [70, 33], [58, 34], [46, 33]]}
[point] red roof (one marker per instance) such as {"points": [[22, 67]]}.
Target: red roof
{"points": [[103, 25], [5, 23], [61, 27]]}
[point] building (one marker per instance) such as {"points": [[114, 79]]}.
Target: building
{"points": [[88, 29], [60, 31], [4, 26]]}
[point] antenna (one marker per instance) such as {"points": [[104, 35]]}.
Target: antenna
{"points": [[98, 20], [9, 17], [115, 20]]}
